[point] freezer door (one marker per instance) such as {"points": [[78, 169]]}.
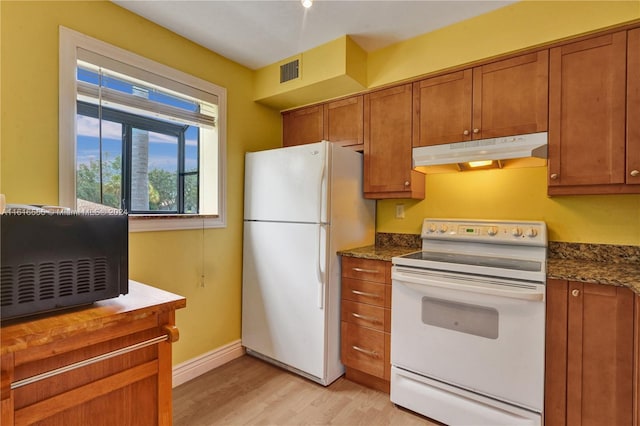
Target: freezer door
{"points": [[287, 184], [283, 313]]}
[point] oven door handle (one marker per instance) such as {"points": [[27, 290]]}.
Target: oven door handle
{"points": [[419, 285]]}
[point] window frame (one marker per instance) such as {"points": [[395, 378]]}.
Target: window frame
{"points": [[128, 121], [69, 43]]}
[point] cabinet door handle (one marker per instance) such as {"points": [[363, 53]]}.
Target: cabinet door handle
{"points": [[406, 183], [634, 173], [575, 292], [476, 131], [554, 176], [466, 133], [368, 271], [365, 351], [365, 318], [365, 294], [47, 374]]}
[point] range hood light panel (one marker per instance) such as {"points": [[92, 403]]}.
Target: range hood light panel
{"points": [[525, 151], [480, 163]]}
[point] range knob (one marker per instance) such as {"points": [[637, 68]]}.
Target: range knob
{"points": [[516, 232], [492, 231], [443, 228], [431, 228], [531, 232]]}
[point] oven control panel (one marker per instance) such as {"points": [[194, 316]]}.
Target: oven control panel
{"points": [[501, 232]]}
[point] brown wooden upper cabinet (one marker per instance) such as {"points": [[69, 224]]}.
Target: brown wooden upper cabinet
{"points": [[343, 122], [633, 108], [503, 98], [302, 126], [593, 85], [339, 121], [387, 145]]}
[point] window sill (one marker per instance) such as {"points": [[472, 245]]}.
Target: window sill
{"points": [[170, 222]]}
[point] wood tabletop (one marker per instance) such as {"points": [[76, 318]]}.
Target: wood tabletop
{"points": [[141, 302]]}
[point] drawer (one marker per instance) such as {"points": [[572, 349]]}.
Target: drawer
{"points": [[363, 349], [364, 292], [364, 315], [366, 269]]}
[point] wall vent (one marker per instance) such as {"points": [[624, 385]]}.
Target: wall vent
{"points": [[290, 71]]}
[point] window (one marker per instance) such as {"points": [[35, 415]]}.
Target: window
{"points": [[139, 136]]}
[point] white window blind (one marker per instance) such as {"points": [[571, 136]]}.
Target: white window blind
{"points": [[144, 83]]}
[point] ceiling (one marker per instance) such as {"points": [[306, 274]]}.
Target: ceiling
{"points": [[259, 33]]}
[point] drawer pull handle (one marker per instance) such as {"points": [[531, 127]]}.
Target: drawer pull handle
{"points": [[365, 351], [47, 374], [365, 294], [365, 318], [369, 271]]}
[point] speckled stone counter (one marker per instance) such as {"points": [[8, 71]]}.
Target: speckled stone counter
{"points": [[592, 263], [377, 252], [595, 263], [387, 246]]}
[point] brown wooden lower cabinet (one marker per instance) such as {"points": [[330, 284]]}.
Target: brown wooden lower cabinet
{"points": [[366, 321], [106, 364], [636, 364], [590, 359]]}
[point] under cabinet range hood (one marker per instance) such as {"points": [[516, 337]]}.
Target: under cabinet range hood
{"points": [[528, 150]]}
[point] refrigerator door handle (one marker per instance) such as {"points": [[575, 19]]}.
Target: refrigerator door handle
{"points": [[323, 196], [322, 256]]}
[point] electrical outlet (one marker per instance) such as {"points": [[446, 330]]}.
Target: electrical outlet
{"points": [[399, 211]]}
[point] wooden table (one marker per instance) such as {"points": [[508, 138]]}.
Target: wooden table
{"points": [[104, 364]]}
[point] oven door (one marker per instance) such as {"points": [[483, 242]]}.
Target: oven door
{"points": [[481, 334]]}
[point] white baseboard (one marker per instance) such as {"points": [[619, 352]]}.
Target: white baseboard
{"points": [[199, 365]]}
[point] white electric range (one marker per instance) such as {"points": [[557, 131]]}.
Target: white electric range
{"points": [[468, 321]]}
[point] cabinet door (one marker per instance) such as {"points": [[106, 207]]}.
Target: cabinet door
{"points": [[387, 141], [510, 97], [303, 126], [589, 354], [442, 109], [633, 108], [122, 388], [555, 375], [343, 121], [587, 112], [599, 355]]}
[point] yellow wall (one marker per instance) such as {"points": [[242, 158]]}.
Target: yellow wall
{"points": [[520, 25], [329, 70], [518, 194], [29, 134]]}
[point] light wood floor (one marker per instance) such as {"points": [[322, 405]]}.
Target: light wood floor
{"points": [[248, 391]]}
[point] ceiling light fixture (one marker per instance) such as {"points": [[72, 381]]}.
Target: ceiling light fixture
{"points": [[306, 3]]}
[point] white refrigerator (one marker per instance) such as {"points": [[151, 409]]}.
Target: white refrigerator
{"points": [[302, 204]]}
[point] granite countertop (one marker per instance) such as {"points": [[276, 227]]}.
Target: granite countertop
{"points": [[618, 274], [591, 263], [377, 252]]}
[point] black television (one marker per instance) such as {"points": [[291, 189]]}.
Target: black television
{"points": [[56, 260]]}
